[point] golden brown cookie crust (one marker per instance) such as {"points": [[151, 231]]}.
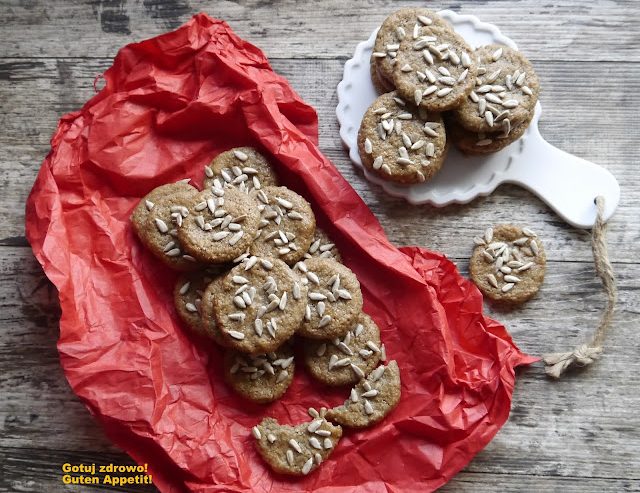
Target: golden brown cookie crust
{"points": [[508, 264], [241, 167], [397, 143], [344, 361], [371, 400]]}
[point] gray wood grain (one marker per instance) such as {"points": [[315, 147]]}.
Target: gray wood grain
{"points": [[580, 434]]}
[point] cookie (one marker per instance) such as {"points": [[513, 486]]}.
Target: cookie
{"points": [[333, 300], [508, 264], [221, 225], [258, 305], [321, 246], [371, 399], [159, 231], [287, 225], [405, 24], [344, 361], [397, 143], [437, 71], [506, 91], [262, 378], [209, 324], [477, 144], [296, 450], [146, 204], [381, 86], [243, 168]]}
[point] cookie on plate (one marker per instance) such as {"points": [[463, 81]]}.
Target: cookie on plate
{"points": [[158, 229], [261, 378], [241, 167], [371, 399], [258, 305], [508, 264], [397, 142], [333, 300], [287, 225], [296, 450], [346, 360], [506, 91], [436, 72], [404, 24], [221, 225]]}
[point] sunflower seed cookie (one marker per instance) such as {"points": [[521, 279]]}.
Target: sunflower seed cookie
{"points": [[296, 450], [333, 301], [287, 225], [322, 247], [258, 305], [397, 143], [243, 168], [405, 24], [159, 231], [477, 144], [436, 71], [221, 225], [508, 264], [187, 297], [506, 91], [346, 360], [371, 399], [262, 378]]}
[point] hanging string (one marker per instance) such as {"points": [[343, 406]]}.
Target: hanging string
{"points": [[558, 363]]}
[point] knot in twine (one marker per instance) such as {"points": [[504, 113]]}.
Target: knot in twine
{"points": [[585, 354]]}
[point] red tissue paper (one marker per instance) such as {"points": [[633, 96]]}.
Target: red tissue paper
{"points": [[171, 104]]}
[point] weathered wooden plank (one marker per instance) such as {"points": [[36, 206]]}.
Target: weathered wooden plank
{"points": [[572, 30], [38, 92], [589, 420]]}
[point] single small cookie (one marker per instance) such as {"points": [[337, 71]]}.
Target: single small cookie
{"points": [[221, 225], [287, 225], [296, 450], [478, 144], [508, 264], [371, 399], [404, 24], [243, 168], [506, 91], [398, 144], [436, 72], [262, 378], [334, 299], [322, 247], [159, 232], [146, 204], [258, 305], [344, 361]]}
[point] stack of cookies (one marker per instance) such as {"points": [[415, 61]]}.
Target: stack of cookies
{"points": [[436, 89], [257, 272]]}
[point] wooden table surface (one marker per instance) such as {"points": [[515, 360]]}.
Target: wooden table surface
{"points": [[578, 434]]}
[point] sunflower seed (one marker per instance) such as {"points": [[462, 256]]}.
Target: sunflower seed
{"points": [[393, 47], [449, 81], [356, 369], [513, 279], [528, 232], [307, 466], [482, 106], [465, 59], [161, 225], [496, 55], [520, 80], [429, 90], [492, 98], [527, 90], [492, 280], [488, 116], [368, 146], [534, 247], [237, 317], [174, 252], [236, 335], [386, 169], [443, 92], [510, 103], [406, 68], [380, 111], [505, 269], [368, 408], [315, 443], [526, 266], [379, 54], [484, 142], [417, 96], [405, 116]]}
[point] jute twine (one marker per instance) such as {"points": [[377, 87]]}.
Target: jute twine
{"points": [[585, 354]]}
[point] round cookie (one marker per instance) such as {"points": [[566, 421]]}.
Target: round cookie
{"points": [[333, 301], [187, 297], [221, 225], [477, 144], [398, 144], [344, 361], [322, 247], [371, 399], [508, 264], [404, 24], [296, 450], [436, 71], [146, 204], [159, 233], [241, 167], [258, 305], [506, 89], [287, 225], [262, 378]]}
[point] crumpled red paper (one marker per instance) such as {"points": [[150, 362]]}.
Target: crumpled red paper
{"points": [[170, 104]]}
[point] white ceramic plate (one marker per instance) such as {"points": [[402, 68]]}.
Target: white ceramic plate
{"points": [[567, 183]]}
